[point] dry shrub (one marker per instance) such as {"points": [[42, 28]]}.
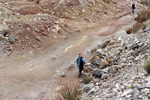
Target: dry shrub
{"points": [[30, 10], [104, 45], [114, 2], [145, 15], [135, 28], [37, 1], [69, 92], [144, 26], [145, 2], [129, 30], [107, 1], [147, 66]]}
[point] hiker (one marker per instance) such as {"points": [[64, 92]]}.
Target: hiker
{"points": [[80, 64], [133, 8]]}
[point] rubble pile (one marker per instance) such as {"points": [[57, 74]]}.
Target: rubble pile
{"points": [[117, 68]]}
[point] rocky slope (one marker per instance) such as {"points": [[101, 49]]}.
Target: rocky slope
{"points": [[117, 68], [31, 24]]}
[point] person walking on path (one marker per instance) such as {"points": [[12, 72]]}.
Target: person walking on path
{"points": [[133, 8], [80, 64]]}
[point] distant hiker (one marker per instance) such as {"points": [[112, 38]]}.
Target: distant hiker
{"points": [[133, 8], [80, 64]]}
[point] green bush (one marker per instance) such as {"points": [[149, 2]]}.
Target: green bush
{"points": [[147, 66]]}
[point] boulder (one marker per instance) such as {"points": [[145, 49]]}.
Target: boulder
{"points": [[105, 70], [104, 62], [148, 96], [110, 60], [95, 60], [97, 74], [135, 46], [1, 36], [130, 91], [104, 76], [103, 66], [87, 89], [112, 70], [98, 53], [12, 39], [38, 38], [141, 44]]}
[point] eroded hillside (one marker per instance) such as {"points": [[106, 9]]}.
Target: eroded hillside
{"points": [[30, 24]]}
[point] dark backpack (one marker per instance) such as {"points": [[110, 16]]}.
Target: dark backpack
{"points": [[133, 6]]}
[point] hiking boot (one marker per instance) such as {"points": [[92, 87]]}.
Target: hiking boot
{"points": [[80, 75]]}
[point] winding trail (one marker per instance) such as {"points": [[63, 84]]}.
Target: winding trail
{"points": [[37, 76]]}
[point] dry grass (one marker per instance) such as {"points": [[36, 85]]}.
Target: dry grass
{"points": [[30, 10], [104, 45], [145, 15], [135, 28], [147, 66], [114, 2], [107, 1], [69, 92], [145, 2], [129, 30], [37, 1], [144, 26], [110, 1]]}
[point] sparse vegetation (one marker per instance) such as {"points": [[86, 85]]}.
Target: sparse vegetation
{"points": [[145, 15], [144, 26], [37, 1], [114, 2], [129, 30], [147, 66], [107, 1], [145, 2], [104, 45], [132, 87], [69, 92], [110, 1], [135, 28]]}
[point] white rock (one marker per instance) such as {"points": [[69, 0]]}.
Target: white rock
{"points": [[54, 57], [130, 91]]}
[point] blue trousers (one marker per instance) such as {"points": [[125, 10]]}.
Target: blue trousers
{"points": [[132, 10]]}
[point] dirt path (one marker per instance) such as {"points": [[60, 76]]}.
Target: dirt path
{"points": [[37, 76]]}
